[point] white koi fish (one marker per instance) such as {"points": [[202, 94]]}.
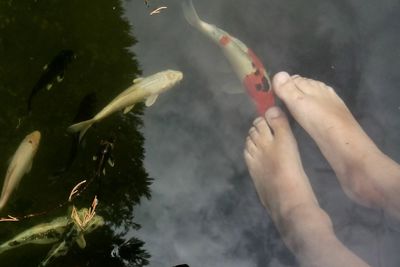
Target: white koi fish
{"points": [[20, 164], [143, 89], [246, 64]]}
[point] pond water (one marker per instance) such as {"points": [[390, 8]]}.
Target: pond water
{"points": [[179, 191]]}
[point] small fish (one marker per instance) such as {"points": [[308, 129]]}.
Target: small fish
{"points": [[104, 155], [20, 164], [85, 111], [62, 229], [246, 64], [54, 71], [143, 89]]}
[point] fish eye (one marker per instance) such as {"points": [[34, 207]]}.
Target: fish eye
{"points": [[30, 141]]}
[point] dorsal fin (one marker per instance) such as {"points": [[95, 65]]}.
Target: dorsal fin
{"points": [[138, 79]]}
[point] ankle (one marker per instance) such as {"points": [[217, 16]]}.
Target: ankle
{"points": [[304, 226]]}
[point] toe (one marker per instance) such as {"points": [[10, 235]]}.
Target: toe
{"points": [[308, 86], [262, 128], [301, 83], [285, 88], [247, 157], [278, 121], [251, 147], [253, 134]]}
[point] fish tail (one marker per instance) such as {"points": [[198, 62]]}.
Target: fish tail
{"points": [[191, 14], [4, 247], [81, 127]]}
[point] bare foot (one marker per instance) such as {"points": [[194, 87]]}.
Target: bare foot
{"points": [[365, 173], [274, 164]]}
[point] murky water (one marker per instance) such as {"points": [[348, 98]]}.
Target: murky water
{"points": [[203, 210]]}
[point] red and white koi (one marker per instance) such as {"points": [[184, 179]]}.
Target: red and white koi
{"points": [[246, 64]]}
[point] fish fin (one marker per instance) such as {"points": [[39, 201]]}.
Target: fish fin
{"points": [[59, 249], [150, 100], [48, 87], [45, 67], [94, 158], [136, 80], [81, 127], [81, 241], [127, 109], [60, 77], [104, 171], [111, 162], [29, 167], [190, 13]]}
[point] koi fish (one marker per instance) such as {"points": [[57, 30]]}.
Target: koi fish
{"points": [[73, 234], [52, 72], [20, 164], [62, 229], [85, 111], [246, 64], [143, 89]]}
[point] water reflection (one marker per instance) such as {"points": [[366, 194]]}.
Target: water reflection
{"points": [[31, 33]]}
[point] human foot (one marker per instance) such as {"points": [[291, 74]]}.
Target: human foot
{"points": [[358, 163], [274, 164]]}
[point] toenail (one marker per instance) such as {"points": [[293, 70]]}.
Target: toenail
{"points": [[281, 78], [273, 113], [258, 120]]}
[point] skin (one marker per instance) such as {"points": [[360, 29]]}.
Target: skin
{"points": [[367, 175]]}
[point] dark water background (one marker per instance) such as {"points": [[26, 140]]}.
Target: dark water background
{"points": [[203, 210]]}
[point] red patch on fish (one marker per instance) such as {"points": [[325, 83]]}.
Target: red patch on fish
{"points": [[224, 40], [257, 85]]}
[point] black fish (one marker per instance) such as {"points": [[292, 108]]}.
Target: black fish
{"points": [[51, 72], [85, 111], [181, 265]]}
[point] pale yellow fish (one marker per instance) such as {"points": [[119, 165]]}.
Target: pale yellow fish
{"points": [[143, 89], [20, 164]]}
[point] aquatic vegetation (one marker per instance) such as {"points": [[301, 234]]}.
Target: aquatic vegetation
{"points": [[157, 10]]}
